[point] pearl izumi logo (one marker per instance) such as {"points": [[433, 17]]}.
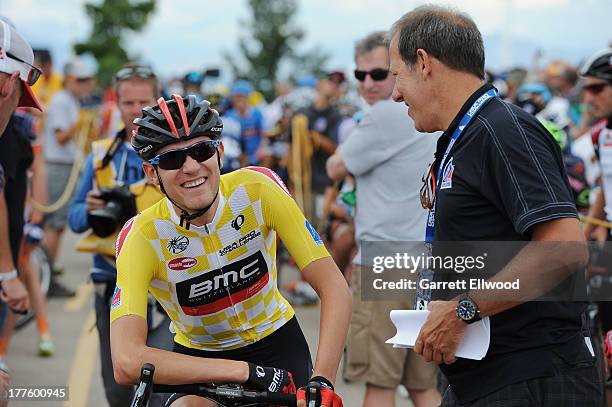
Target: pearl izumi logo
{"points": [[178, 244], [238, 222], [260, 371]]}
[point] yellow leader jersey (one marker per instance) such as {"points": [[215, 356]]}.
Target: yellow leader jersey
{"points": [[217, 282]]}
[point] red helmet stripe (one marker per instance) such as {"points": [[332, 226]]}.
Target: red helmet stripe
{"points": [[181, 106], [164, 109]]}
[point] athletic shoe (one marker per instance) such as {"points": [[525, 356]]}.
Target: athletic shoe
{"points": [[45, 347]]}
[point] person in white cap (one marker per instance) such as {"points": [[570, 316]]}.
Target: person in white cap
{"points": [[17, 74]]}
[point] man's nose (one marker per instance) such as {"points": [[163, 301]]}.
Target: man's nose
{"points": [[396, 95], [190, 164]]}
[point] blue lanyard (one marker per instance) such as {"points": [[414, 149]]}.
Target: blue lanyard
{"points": [[467, 118]]}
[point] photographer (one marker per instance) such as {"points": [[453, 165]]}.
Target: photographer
{"points": [[112, 188]]}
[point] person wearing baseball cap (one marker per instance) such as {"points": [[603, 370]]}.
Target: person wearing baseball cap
{"points": [[14, 67], [16, 64], [16, 59]]}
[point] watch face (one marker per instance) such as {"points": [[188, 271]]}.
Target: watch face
{"points": [[466, 310]]}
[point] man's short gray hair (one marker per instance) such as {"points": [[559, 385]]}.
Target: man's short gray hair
{"points": [[370, 42], [448, 35]]}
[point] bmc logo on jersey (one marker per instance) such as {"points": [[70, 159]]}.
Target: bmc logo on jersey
{"points": [[221, 288], [182, 263], [447, 175]]}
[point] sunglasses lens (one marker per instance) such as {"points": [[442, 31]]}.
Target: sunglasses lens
{"points": [[379, 74], [360, 75], [595, 89], [33, 76], [202, 152], [140, 71], [173, 160]]}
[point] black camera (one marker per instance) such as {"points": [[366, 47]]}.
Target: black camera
{"points": [[119, 208]]}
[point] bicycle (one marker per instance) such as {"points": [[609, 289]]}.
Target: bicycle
{"points": [[41, 266], [226, 395]]}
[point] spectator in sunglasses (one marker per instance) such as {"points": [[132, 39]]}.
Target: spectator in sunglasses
{"points": [[597, 86], [386, 178], [113, 162]]}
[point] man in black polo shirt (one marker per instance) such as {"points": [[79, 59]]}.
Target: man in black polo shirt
{"points": [[500, 177]]}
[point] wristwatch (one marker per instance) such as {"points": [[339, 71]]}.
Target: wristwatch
{"points": [[467, 309]]}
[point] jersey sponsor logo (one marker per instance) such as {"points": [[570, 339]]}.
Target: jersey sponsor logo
{"points": [[447, 175], [178, 244], [240, 242], [260, 371], [276, 381], [182, 263], [270, 174], [222, 288], [123, 235], [238, 222], [313, 233], [116, 299]]}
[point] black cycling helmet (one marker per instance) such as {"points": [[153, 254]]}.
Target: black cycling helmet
{"points": [[599, 65], [174, 120]]}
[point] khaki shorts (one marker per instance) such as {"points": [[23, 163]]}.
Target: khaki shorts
{"points": [[369, 358]]}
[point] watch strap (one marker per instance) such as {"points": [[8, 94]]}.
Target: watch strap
{"points": [[8, 276]]}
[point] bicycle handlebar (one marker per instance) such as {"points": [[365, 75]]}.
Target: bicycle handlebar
{"points": [[227, 391], [230, 392]]}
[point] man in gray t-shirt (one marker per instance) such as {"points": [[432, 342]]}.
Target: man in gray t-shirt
{"points": [[60, 131], [387, 156]]}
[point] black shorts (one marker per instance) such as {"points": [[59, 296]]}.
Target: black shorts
{"points": [[285, 349]]}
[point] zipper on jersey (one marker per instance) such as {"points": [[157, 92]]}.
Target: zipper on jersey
{"points": [[233, 306]]}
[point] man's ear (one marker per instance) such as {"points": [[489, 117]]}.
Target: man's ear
{"points": [[423, 63], [151, 174], [221, 152]]}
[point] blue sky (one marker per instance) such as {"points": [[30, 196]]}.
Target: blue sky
{"points": [[192, 34]]}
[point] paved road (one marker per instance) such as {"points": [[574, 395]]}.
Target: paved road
{"points": [[75, 363]]}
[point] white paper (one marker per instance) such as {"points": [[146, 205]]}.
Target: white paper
{"points": [[409, 322]]}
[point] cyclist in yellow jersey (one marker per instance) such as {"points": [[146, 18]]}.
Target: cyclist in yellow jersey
{"points": [[207, 253]]}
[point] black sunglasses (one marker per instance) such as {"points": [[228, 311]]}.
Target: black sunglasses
{"points": [[428, 189], [595, 88], [34, 73], [174, 159], [140, 71], [377, 74]]}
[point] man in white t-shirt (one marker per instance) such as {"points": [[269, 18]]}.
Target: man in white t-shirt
{"points": [[387, 156]]}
